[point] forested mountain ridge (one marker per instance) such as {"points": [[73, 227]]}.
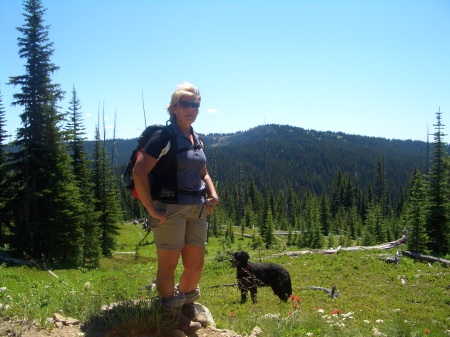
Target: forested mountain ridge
{"points": [[278, 155]]}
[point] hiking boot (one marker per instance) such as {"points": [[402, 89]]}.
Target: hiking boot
{"points": [[187, 326], [188, 310], [172, 308]]}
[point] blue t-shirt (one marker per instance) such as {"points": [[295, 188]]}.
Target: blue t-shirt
{"points": [[189, 163]]}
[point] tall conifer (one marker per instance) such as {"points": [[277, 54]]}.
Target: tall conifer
{"points": [[83, 176], [417, 215], [46, 203], [438, 222], [106, 197], [3, 186]]}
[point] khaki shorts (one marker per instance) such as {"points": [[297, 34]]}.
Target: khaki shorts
{"points": [[185, 224]]}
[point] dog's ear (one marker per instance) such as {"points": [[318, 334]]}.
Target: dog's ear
{"points": [[245, 256], [235, 256]]}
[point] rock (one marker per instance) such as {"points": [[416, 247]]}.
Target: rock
{"points": [[204, 311], [58, 318], [59, 325], [61, 321], [256, 331], [71, 321]]}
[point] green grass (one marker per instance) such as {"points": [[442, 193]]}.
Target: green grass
{"points": [[372, 295]]}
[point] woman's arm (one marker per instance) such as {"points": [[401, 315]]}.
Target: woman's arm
{"points": [[212, 198]]}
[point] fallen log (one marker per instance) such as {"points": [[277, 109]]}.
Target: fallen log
{"points": [[332, 251], [333, 293], [224, 285], [383, 246], [14, 261], [418, 256], [388, 245]]}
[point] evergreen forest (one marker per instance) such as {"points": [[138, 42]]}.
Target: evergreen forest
{"points": [[62, 196]]}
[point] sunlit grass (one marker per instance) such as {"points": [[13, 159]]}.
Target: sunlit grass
{"points": [[408, 299]]}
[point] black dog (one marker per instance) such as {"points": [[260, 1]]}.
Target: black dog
{"points": [[250, 276]]}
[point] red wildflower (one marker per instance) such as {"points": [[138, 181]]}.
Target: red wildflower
{"points": [[290, 312], [336, 312], [427, 331], [232, 314], [292, 297], [295, 306], [298, 299]]}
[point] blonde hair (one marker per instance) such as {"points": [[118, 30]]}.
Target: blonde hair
{"points": [[184, 89]]}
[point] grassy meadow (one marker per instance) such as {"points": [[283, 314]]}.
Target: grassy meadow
{"points": [[375, 299]]}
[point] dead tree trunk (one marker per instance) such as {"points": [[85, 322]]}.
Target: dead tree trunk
{"points": [[419, 256]]}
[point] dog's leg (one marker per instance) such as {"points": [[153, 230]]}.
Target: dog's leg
{"points": [[253, 292], [243, 295]]}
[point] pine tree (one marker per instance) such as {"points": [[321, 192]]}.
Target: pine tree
{"points": [[292, 205], [249, 217], [314, 236], [106, 196], [46, 205], [381, 194], [438, 222], [4, 222], [269, 229], [379, 226], [336, 193], [280, 209], [373, 219], [83, 176], [325, 215], [417, 239], [353, 223]]}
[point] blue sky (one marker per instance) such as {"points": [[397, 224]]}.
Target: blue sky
{"points": [[377, 68]]}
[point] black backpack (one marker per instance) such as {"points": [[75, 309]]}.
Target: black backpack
{"points": [[165, 186], [142, 141]]}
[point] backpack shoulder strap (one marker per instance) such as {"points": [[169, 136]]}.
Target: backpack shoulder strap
{"points": [[169, 151]]}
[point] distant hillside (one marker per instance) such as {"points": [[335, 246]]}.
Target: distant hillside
{"points": [[278, 154]]}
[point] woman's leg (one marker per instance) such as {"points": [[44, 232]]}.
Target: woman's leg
{"points": [[193, 252], [165, 276], [193, 259]]}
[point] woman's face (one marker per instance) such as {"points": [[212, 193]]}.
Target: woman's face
{"points": [[187, 109]]}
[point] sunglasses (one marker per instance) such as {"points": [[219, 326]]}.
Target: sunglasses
{"points": [[186, 104]]}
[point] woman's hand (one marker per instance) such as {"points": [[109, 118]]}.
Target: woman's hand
{"points": [[159, 215], [211, 203]]}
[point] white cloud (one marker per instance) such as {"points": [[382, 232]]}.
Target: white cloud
{"points": [[212, 111], [88, 115]]}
